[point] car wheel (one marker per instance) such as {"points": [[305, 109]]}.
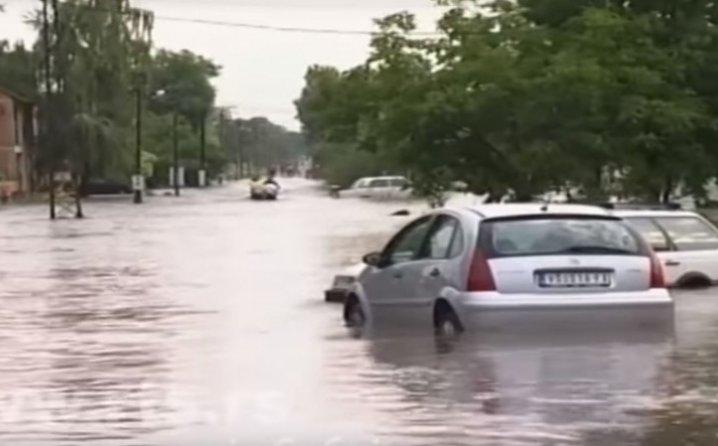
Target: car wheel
{"points": [[354, 315], [694, 281], [447, 323]]}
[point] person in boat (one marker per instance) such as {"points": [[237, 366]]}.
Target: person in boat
{"points": [[271, 174]]}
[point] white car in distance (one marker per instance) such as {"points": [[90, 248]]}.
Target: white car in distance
{"points": [[379, 188], [686, 243]]}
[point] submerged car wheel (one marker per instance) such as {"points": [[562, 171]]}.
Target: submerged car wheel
{"points": [[446, 322], [694, 281], [354, 315]]}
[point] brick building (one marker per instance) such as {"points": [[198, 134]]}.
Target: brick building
{"points": [[18, 131]]}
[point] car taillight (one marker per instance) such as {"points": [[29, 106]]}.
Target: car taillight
{"points": [[658, 279], [480, 276]]}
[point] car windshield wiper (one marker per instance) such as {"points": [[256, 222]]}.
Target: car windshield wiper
{"points": [[597, 249]]}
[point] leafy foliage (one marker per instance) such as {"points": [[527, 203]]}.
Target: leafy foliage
{"points": [[593, 97], [18, 68], [261, 144], [180, 83], [100, 54], [96, 49]]}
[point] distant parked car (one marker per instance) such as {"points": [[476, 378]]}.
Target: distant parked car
{"points": [[686, 243], [103, 186], [387, 187], [501, 266]]}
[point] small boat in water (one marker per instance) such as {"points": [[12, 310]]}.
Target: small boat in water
{"points": [[263, 190]]}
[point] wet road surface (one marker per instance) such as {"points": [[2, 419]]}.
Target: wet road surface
{"points": [[200, 320]]}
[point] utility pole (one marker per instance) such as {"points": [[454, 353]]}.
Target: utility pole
{"points": [[202, 175], [225, 134], [138, 181], [46, 127], [175, 153], [241, 153]]}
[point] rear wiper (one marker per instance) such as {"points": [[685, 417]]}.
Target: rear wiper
{"points": [[597, 249]]}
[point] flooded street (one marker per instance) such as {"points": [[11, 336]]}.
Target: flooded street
{"points": [[201, 320]]}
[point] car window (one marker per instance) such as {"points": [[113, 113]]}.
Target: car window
{"points": [[360, 184], [439, 241], [457, 245], [398, 182], [546, 236], [650, 232], [407, 244], [379, 183], [690, 233]]}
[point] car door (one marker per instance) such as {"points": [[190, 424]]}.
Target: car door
{"points": [[379, 188], [438, 263], [695, 243], [399, 189], [358, 189], [656, 236], [385, 285]]}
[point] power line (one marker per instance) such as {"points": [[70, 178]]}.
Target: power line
{"points": [[291, 29], [265, 27]]}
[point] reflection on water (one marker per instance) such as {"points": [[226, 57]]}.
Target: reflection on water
{"points": [[506, 389], [85, 347], [200, 320]]}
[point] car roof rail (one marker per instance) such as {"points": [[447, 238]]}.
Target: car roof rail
{"points": [[641, 206]]}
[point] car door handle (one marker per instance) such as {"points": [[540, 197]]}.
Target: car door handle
{"points": [[672, 263], [436, 272], [398, 275]]}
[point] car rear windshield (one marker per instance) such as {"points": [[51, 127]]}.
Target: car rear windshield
{"points": [[559, 235]]}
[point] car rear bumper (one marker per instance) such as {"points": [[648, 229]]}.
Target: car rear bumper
{"points": [[493, 310]]}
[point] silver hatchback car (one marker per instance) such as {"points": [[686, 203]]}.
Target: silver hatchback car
{"points": [[485, 265]]}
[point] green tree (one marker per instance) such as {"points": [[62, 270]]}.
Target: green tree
{"points": [[18, 69], [94, 50], [180, 83], [595, 98], [261, 144]]}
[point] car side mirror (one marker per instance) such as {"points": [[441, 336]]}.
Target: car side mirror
{"points": [[373, 259]]}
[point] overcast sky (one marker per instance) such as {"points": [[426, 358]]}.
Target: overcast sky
{"points": [[262, 70]]}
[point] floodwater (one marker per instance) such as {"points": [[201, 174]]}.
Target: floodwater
{"points": [[200, 320]]}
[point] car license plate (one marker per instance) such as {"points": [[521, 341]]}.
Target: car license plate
{"points": [[574, 279]]}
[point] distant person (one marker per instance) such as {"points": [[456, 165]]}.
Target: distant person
{"points": [[271, 174]]}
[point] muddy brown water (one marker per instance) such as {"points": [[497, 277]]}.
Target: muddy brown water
{"points": [[199, 320]]}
